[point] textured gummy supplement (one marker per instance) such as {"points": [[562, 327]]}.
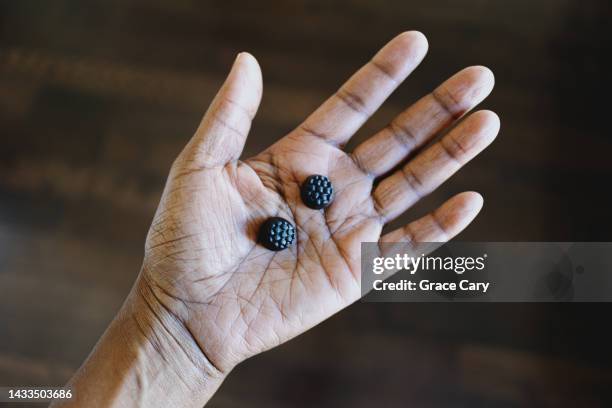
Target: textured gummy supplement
{"points": [[317, 192], [277, 234]]}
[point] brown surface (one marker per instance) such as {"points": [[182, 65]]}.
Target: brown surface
{"points": [[96, 99]]}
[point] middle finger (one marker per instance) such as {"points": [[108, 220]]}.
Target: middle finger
{"points": [[423, 120]]}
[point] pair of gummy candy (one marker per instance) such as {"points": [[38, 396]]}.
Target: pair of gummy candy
{"points": [[277, 233]]}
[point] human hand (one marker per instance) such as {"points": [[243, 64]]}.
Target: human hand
{"points": [[203, 267]]}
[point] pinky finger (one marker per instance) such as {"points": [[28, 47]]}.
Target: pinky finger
{"points": [[442, 224]]}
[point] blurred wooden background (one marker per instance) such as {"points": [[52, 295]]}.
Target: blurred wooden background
{"points": [[97, 98]]}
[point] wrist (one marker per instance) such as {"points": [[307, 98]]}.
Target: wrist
{"points": [[146, 357], [168, 354]]}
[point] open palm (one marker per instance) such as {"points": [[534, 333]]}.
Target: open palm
{"points": [[237, 298]]}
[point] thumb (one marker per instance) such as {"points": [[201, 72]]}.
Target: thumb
{"points": [[223, 131]]}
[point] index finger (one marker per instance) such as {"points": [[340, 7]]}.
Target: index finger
{"points": [[340, 116]]}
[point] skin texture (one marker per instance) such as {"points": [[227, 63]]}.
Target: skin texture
{"points": [[209, 297]]}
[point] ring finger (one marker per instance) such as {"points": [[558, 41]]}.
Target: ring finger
{"points": [[419, 177]]}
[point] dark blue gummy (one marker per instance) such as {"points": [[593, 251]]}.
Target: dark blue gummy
{"points": [[277, 234], [317, 192]]}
